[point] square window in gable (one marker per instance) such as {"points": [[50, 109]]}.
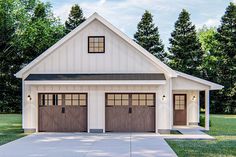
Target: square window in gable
{"points": [[96, 44]]}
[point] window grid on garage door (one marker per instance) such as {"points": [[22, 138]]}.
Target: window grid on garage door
{"points": [[54, 99], [137, 99]]}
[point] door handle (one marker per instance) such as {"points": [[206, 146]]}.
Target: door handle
{"points": [[63, 110], [130, 110]]}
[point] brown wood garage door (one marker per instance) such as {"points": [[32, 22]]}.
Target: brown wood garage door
{"points": [[62, 112], [133, 112]]}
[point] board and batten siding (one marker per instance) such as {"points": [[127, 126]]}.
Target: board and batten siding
{"points": [[96, 102], [73, 56]]}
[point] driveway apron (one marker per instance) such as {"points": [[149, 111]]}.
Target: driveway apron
{"points": [[88, 145]]}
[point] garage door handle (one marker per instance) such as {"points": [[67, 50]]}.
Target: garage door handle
{"points": [[130, 110], [63, 110]]}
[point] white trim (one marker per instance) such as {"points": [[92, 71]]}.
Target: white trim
{"points": [[95, 82], [164, 67], [213, 86]]}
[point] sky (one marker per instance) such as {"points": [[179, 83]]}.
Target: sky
{"points": [[125, 14]]}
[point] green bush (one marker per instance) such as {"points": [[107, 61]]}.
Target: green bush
{"points": [[202, 121]]}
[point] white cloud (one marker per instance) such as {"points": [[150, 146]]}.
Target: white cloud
{"points": [[234, 1], [212, 22], [209, 23], [63, 11]]}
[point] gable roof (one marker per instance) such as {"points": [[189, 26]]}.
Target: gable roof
{"points": [[213, 86], [93, 17]]}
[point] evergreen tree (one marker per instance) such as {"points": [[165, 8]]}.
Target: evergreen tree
{"points": [[9, 85], [227, 73], [41, 31], [75, 18], [148, 36], [27, 28], [185, 49]]}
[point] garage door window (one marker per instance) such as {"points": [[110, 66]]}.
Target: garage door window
{"points": [[119, 99], [143, 99], [50, 99], [66, 99]]}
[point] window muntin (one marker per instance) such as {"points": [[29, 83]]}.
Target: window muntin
{"points": [[179, 102], [68, 99], [96, 44], [142, 99], [50, 99], [117, 99]]}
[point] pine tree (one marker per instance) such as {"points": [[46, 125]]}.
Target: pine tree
{"points": [[227, 73], [75, 18], [185, 49], [148, 36]]}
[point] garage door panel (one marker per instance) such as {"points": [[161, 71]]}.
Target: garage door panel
{"points": [[143, 119], [75, 119], [62, 114], [135, 113], [117, 119]]}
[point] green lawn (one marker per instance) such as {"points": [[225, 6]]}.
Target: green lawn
{"points": [[223, 129], [10, 128]]}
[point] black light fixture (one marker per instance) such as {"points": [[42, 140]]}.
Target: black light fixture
{"points": [[194, 98], [29, 98], [163, 97]]}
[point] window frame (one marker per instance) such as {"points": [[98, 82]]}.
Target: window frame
{"points": [[103, 44], [63, 99], [130, 99]]}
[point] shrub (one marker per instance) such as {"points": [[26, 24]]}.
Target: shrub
{"points": [[202, 121]]}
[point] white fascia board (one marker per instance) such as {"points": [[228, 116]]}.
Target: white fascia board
{"points": [[164, 67], [212, 85], [155, 82]]}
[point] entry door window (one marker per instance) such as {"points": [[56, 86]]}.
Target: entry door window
{"points": [[179, 102]]}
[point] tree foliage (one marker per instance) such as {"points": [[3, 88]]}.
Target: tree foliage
{"points": [[185, 49], [75, 18], [148, 36], [27, 28], [227, 47]]}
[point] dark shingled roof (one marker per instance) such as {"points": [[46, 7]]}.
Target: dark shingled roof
{"points": [[82, 77]]}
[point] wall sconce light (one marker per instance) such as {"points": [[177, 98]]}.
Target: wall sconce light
{"points": [[29, 98], [163, 97], [194, 98]]}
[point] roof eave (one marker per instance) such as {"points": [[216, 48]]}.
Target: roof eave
{"points": [[212, 85]]}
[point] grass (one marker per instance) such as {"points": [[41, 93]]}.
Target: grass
{"points": [[10, 128], [223, 129]]}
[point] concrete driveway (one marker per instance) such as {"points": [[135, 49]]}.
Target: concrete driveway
{"points": [[88, 145]]}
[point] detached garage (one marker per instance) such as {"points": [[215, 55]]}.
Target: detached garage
{"points": [[96, 79]]}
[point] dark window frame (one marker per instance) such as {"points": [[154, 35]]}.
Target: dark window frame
{"points": [[45, 98], [130, 99], [103, 44]]}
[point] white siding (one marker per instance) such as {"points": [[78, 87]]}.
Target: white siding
{"points": [[180, 83], [73, 56]]}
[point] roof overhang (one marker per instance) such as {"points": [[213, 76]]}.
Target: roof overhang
{"points": [[97, 79], [101, 82], [212, 85]]}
